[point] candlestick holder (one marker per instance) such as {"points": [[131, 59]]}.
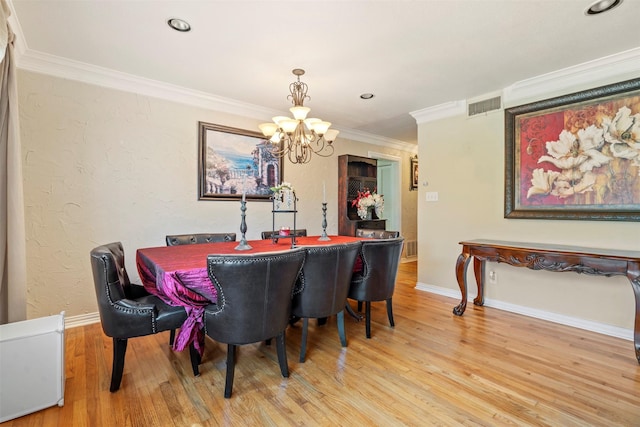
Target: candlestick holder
{"points": [[243, 245], [324, 236]]}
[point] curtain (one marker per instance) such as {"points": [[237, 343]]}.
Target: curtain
{"points": [[13, 264]]}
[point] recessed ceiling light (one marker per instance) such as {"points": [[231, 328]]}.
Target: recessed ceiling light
{"points": [[601, 6], [367, 96], [179, 25]]}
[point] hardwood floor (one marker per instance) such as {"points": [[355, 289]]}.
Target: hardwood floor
{"points": [[488, 368]]}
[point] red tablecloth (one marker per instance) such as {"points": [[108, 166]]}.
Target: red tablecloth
{"points": [[178, 275]]}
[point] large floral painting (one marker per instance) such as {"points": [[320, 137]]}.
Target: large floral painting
{"points": [[576, 156]]}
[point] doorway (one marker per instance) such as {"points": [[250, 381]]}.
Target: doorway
{"points": [[389, 185]]}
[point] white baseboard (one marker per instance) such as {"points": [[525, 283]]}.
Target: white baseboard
{"points": [[81, 320], [575, 322]]}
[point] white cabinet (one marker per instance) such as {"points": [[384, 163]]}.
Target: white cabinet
{"points": [[31, 366]]}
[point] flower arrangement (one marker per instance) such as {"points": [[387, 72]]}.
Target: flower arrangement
{"points": [[282, 186], [367, 200], [283, 196]]}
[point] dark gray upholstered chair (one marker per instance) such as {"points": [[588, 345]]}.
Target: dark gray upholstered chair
{"points": [[192, 239], [372, 233], [376, 234], [253, 302], [128, 310], [377, 279], [323, 287], [187, 239]]}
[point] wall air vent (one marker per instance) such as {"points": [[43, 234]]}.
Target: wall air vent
{"points": [[484, 106]]}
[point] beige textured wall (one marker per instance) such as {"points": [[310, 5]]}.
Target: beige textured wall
{"points": [[101, 165], [463, 160]]}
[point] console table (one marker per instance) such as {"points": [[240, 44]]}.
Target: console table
{"points": [[537, 256]]}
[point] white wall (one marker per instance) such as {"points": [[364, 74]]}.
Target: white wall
{"points": [[102, 165], [463, 160]]}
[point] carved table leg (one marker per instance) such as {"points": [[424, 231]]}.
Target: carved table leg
{"points": [[633, 273], [461, 274], [478, 270]]}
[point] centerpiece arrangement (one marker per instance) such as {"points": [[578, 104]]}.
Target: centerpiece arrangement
{"points": [[366, 202], [283, 195]]}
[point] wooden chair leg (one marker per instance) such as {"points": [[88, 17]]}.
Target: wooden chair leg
{"points": [[172, 337], [367, 315], [341, 331], [282, 354], [303, 340], [119, 350], [231, 366], [195, 359], [390, 313]]}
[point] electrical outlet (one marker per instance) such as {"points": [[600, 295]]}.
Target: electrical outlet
{"points": [[493, 277]]}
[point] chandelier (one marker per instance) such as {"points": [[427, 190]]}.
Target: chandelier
{"points": [[299, 137]]}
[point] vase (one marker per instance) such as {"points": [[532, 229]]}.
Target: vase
{"points": [[284, 200], [369, 214]]}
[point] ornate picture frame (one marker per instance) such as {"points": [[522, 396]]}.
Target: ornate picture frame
{"points": [[413, 179], [234, 161], [575, 156]]}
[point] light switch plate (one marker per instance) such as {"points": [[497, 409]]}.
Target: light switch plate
{"points": [[432, 196]]}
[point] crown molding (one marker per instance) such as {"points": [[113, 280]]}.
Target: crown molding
{"points": [[377, 140], [43, 63], [613, 67], [616, 67], [441, 111]]}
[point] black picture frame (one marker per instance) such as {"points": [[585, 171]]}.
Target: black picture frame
{"points": [[232, 161], [576, 156], [413, 178]]}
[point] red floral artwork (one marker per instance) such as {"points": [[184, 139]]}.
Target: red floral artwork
{"points": [[588, 155]]}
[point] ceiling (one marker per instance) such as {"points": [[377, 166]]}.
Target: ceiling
{"points": [[411, 54]]}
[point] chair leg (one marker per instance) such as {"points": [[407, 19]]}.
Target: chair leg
{"points": [[322, 321], [172, 337], [359, 306], [352, 313], [195, 359], [390, 313], [282, 354], [303, 340], [367, 315], [119, 350], [341, 331], [231, 366]]}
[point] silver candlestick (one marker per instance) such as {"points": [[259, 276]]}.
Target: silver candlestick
{"points": [[324, 223], [243, 245]]}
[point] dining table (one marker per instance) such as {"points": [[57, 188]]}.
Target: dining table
{"points": [[178, 275]]}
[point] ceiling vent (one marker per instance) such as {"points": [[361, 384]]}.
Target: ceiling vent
{"points": [[484, 106]]}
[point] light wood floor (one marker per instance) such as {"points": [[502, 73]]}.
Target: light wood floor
{"points": [[488, 367]]}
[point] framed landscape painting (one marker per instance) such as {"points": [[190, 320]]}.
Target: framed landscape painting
{"points": [[233, 162], [575, 156]]}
